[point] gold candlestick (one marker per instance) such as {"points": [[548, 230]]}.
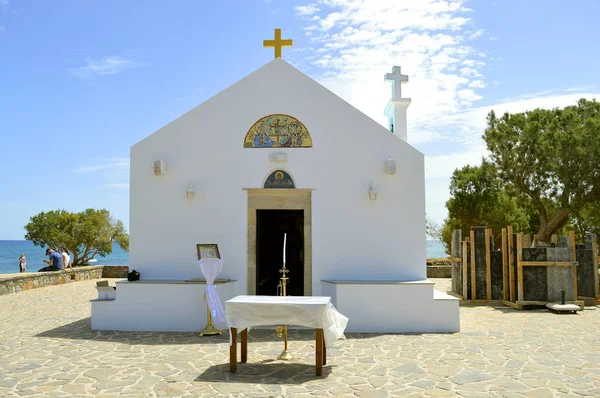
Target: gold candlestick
{"points": [[209, 329], [285, 354]]}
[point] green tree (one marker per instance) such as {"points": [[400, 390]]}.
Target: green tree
{"points": [[586, 220], [478, 197], [552, 157], [433, 229], [85, 234]]}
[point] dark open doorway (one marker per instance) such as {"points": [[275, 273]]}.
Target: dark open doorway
{"points": [[270, 227]]}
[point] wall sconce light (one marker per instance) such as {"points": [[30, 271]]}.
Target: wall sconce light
{"points": [[390, 167], [160, 168], [372, 193], [190, 193]]}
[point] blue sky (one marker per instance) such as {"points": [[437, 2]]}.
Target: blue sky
{"points": [[82, 81]]}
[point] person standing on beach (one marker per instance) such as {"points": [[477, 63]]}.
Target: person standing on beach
{"points": [[66, 257], [22, 262], [55, 261]]}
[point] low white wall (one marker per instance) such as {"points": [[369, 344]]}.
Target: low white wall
{"points": [[401, 307], [371, 307], [165, 307]]}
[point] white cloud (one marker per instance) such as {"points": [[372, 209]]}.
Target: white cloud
{"points": [[306, 10], [442, 166], [477, 84], [112, 164], [112, 173], [468, 127], [465, 128], [579, 88], [353, 39], [476, 34], [107, 66], [355, 42]]}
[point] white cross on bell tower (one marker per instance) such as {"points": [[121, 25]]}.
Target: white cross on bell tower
{"points": [[396, 107], [397, 78]]}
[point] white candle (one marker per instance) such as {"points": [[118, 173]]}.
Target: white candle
{"points": [[284, 239]]}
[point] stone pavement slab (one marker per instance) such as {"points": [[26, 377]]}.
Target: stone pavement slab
{"points": [[48, 349]]}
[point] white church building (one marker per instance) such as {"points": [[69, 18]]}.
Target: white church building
{"points": [[279, 153]]}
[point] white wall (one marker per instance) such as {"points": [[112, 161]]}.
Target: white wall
{"points": [[164, 307], [352, 237], [395, 308]]}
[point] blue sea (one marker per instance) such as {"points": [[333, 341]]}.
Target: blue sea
{"points": [[10, 250], [435, 249]]}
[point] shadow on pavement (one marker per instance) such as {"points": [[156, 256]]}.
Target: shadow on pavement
{"points": [[264, 372], [81, 330]]}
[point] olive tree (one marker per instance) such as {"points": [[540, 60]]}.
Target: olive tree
{"points": [[551, 157], [85, 234]]}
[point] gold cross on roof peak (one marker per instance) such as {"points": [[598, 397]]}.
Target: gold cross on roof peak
{"points": [[278, 43]]}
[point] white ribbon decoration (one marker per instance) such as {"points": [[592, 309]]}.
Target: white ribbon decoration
{"points": [[211, 267]]}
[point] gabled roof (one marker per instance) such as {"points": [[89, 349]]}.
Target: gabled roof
{"points": [[280, 72]]}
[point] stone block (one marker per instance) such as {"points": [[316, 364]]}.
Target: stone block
{"points": [[497, 275], [559, 279], [535, 279], [480, 266], [456, 267], [585, 273], [559, 254]]}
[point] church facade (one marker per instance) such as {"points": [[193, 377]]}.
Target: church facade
{"points": [[227, 148], [277, 153]]}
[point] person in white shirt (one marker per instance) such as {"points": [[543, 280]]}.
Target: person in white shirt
{"points": [[22, 262], [66, 258]]}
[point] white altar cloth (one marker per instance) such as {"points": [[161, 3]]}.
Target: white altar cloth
{"points": [[310, 311]]}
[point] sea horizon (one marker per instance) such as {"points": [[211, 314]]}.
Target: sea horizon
{"points": [[11, 249]]}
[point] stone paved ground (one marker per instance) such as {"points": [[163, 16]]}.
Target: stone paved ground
{"points": [[47, 348]]}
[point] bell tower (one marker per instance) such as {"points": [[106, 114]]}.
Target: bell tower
{"points": [[396, 107]]}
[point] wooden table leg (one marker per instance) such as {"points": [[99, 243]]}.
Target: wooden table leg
{"points": [[233, 351], [244, 344], [324, 352], [319, 352]]}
